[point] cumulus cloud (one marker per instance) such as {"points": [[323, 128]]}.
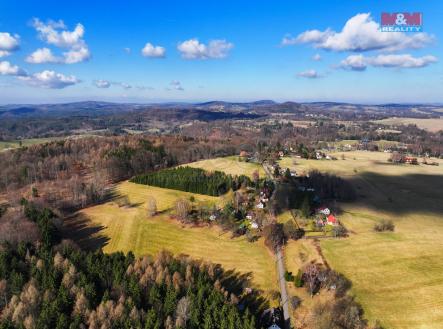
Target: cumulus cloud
{"points": [[149, 50], [4, 53], [360, 62], [215, 49], [354, 62], [56, 33], [8, 42], [360, 33], [50, 80], [102, 83], [7, 68], [310, 74], [176, 85], [77, 55], [316, 57], [42, 55], [51, 34]]}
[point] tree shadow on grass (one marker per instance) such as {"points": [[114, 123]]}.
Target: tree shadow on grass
{"points": [[86, 234], [241, 285], [400, 195]]}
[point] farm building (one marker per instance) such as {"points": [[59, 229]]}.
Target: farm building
{"points": [[331, 220], [411, 160], [324, 211]]}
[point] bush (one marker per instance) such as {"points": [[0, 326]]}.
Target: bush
{"points": [[384, 225], [298, 279], [295, 302], [339, 231], [289, 277]]}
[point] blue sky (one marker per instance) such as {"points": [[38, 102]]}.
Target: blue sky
{"points": [[207, 50]]}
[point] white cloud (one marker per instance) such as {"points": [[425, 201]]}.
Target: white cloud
{"points": [[310, 74], [7, 68], [42, 55], [102, 83], [8, 43], [50, 80], [354, 62], [64, 39], [193, 49], [127, 50], [360, 63], [77, 55], [176, 85], [56, 33], [4, 53], [149, 50], [360, 33], [316, 57]]}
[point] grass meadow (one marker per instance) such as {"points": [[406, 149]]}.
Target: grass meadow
{"points": [[433, 125], [6, 145], [129, 228], [397, 276], [230, 165]]}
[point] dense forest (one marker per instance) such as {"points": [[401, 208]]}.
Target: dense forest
{"points": [[53, 284], [193, 180]]}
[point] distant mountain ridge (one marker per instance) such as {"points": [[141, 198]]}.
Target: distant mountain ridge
{"points": [[261, 107]]}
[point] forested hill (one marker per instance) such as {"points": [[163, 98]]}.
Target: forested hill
{"points": [[52, 284]]}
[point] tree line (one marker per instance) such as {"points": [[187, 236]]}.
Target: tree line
{"points": [[193, 180]]}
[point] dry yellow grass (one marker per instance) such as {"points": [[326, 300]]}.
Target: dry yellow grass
{"points": [[130, 229], [398, 277], [230, 165], [428, 124]]}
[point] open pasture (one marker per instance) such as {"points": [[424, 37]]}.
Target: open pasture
{"points": [[229, 165], [397, 276], [129, 228]]}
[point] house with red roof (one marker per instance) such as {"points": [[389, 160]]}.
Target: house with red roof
{"points": [[331, 220]]}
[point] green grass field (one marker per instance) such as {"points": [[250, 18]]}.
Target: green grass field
{"points": [[397, 277], [229, 165], [130, 229], [5, 145]]}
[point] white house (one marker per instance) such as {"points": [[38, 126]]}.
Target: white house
{"points": [[260, 205], [324, 211]]}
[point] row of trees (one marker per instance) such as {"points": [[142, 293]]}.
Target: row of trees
{"points": [[193, 180]]}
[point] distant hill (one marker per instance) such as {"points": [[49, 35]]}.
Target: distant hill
{"points": [[261, 107]]}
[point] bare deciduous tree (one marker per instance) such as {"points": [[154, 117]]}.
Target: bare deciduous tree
{"points": [[183, 310], [182, 208], [311, 277], [151, 205]]}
